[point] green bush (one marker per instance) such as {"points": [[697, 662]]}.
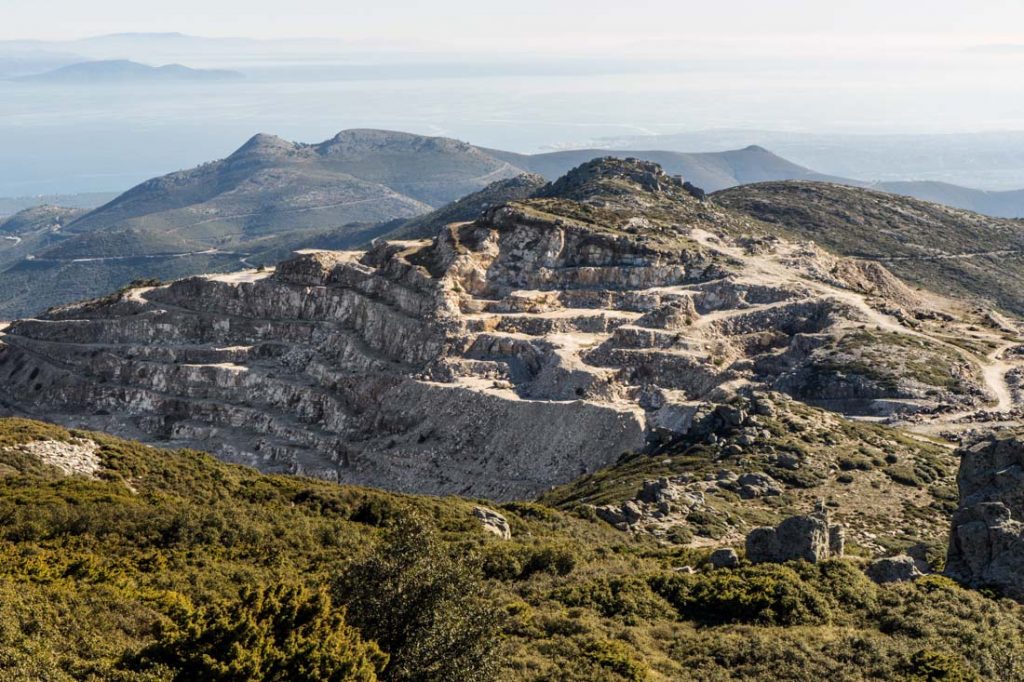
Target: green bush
{"points": [[616, 658], [627, 597], [278, 634], [518, 561], [429, 610], [935, 666], [769, 594]]}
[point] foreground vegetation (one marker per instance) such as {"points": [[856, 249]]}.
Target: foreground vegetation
{"points": [[172, 565]]}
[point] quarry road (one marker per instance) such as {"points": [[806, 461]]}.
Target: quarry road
{"points": [[16, 240], [995, 378]]}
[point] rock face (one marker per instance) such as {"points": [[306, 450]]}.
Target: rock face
{"points": [[986, 543], [810, 538], [522, 350]]}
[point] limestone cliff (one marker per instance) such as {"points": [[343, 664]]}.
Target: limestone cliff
{"points": [[508, 354]]}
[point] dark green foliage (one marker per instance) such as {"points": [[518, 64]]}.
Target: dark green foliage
{"points": [[429, 610], [932, 666], [627, 597], [279, 634], [766, 594], [94, 572], [518, 561]]}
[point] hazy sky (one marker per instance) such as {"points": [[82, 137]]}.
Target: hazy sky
{"points": [[545, 25]]}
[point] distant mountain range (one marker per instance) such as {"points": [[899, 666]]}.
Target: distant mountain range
{"points": [[125, 71], [1008, 204], [710, 171], [272, 196]]}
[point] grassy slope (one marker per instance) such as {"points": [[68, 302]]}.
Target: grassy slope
{"points": [[874, 225], [90, 568]]}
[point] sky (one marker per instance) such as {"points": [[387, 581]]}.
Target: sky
{"points": [[525, 75], [562, 26]]}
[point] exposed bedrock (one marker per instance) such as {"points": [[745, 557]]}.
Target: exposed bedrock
{"points": [[986, 543], [509, 354]]}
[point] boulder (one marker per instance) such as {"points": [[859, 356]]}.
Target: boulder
{"points": [[493, 522], [896, 569], [730, 416], [753, 485], [986, 543], [810, 538], [836, 540], [724, 557]]}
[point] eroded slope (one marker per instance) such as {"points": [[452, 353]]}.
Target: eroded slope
{"points": [[512, 353]]}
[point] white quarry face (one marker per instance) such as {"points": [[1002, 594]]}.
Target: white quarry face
{"points": [[508, 355]]}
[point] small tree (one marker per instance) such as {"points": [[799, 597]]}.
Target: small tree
{"points": [[431, 612], [281, 634]]}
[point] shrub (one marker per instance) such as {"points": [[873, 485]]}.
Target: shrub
{"points": [[281, 633], [430, 611], [770, 594], [855, 463], [932, 666], [904, 475], [626, 597], [615, 657], [517, 561]]}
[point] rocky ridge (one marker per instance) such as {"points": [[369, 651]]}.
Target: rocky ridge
{"points": [[521, 350]]}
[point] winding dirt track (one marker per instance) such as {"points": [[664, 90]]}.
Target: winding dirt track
{"points": [[994, 366]]}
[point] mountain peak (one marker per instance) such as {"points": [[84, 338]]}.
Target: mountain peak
{"points": [[264, 145], [612, 176]]}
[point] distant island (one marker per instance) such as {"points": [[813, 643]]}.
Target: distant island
{"points": [[125, 71]]}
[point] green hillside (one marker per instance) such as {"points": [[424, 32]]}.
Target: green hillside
{"points": [[159, 565]]}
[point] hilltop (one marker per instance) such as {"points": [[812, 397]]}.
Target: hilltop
{"points": [[269, 194], [710, 171]]}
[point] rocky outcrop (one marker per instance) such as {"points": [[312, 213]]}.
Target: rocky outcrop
{"points": [[986, 543], [493, 522], [808, 538], [79, 457], [533, 345], [660, 501], [894, 569]]}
